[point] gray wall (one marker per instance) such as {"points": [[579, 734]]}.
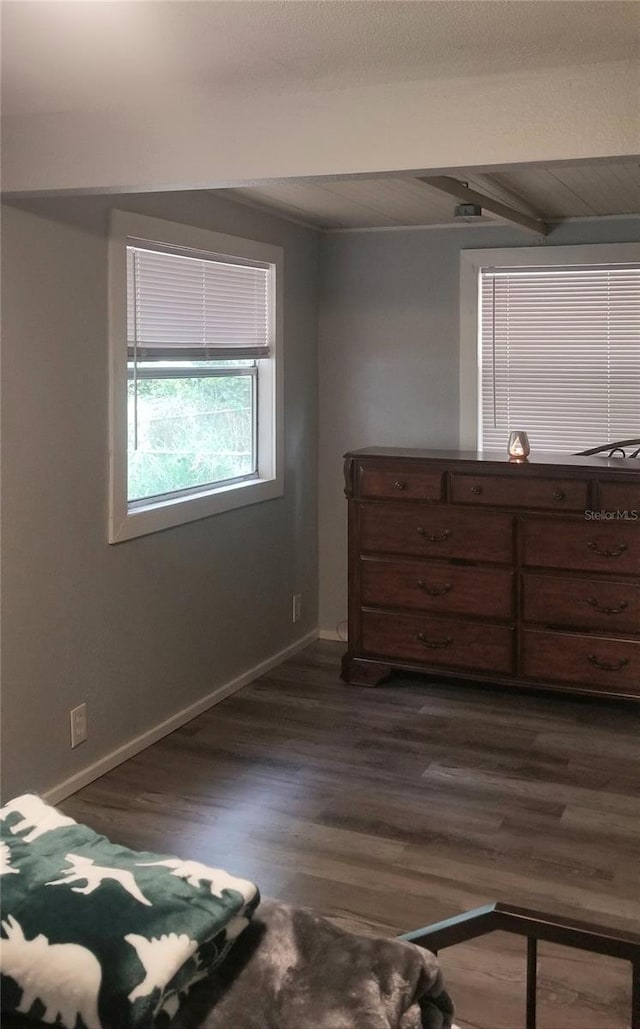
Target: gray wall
{"points": [[388, 350], [138, 630]]}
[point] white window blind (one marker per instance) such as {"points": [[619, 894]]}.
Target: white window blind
{"points": [[560, 356], [195, 308]]}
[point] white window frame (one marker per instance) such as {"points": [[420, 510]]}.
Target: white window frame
{"points": [[471, 263], [128, 520]]}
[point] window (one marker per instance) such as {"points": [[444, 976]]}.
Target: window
{"points": [[196, 348], [557, 346]]}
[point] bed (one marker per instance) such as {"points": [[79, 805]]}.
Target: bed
{"points": [[97, 936]]}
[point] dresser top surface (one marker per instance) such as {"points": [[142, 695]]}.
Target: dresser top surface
{"points": [[496, 458]]}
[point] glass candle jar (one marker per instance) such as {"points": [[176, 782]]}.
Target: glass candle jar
{"points": [[518, 447]]}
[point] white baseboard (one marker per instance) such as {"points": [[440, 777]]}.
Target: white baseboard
{"points": [[331, 634], [145, 739]]}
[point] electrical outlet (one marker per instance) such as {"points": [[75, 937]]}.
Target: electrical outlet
{"points": [[78, 716], [296, 607]]}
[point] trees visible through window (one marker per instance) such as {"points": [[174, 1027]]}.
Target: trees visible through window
{"points": [[189, 424]]}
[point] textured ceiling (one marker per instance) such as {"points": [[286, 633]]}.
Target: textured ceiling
{"points": [[70, 56]]}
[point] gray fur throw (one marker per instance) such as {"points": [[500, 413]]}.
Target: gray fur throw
{"points": [[294, 970]]}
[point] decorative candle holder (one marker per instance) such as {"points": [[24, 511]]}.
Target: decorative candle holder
{"points": [[518, 447]]}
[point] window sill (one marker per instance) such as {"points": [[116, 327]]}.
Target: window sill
{"points": [[169, 513]]}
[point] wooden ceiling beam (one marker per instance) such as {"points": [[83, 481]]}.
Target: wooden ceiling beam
{"points": [[459, 190]]}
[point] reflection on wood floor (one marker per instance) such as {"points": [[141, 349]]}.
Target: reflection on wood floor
{"points": [[391, 808]]}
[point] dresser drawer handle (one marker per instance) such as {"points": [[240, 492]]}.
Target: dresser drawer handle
{"points": [[607, 610], [434, 591], [434, 644], [559, 495], [620, 549], [608, 666], [476, 490], [444, 535], [399, 485]]}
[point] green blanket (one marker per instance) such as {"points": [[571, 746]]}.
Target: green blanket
{"points": [[97, 936]]}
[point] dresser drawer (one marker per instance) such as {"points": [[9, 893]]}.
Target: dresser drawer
{"points": [[587, 661], [598, 546], [440, 588], [445, 642], [440, 531], [621, 496], [511, 491], [598, 604], [399, 481]]}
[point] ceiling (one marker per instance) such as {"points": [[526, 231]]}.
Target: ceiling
{"points": [[137, 70], [556, 192], [69, 56]]}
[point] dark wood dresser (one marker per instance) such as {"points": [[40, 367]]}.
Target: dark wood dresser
{"points": [[471, 566]]}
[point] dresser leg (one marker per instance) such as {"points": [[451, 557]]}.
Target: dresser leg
{"points": [[358, 672]]}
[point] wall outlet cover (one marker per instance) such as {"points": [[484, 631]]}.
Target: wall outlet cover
{"points": [[78, 717]]}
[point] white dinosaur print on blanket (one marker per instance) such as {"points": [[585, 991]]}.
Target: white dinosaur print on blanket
{"points": [[194, 873], [161, 957], [84, 868], [36, 816], [5, 861], [236, 926], [63, 976], [171, 1001]]}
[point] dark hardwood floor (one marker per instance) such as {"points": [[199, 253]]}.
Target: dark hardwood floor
{"points": [[391, 808]]}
